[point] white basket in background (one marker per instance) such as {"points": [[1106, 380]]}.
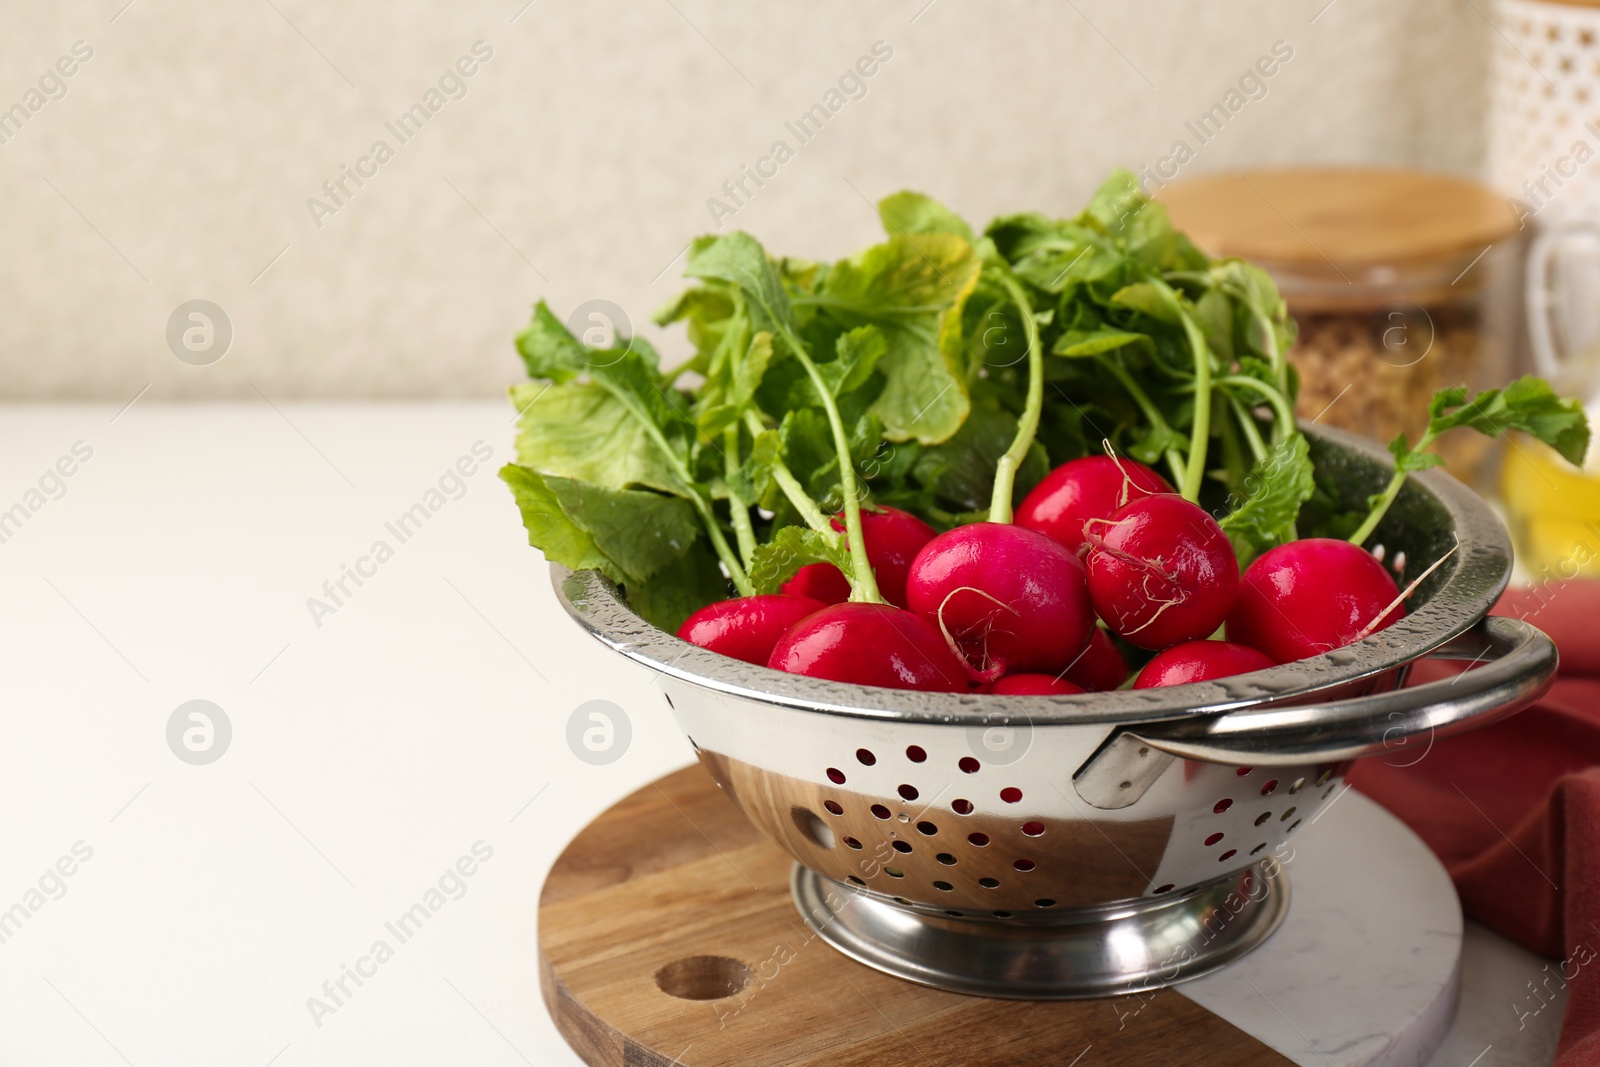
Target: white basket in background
{"points": [[1544, 153]]}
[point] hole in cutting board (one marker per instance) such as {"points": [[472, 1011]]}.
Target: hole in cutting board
{"points": [[703, 978]]}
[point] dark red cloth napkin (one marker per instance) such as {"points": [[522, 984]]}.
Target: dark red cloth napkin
{"points": [[1513, 810]]}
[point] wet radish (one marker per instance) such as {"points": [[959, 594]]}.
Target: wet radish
{"points": [[1200, 661], [893, 538], [1031, 685], [746, 628], [1161, 571], [1312, 596], [1012, 599], [1089, 488], [871, 644], [1100, 667]]}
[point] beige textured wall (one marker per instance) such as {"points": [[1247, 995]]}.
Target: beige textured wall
{"points": [[180, 160]]}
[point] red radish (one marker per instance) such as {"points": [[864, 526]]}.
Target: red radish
{"points": [[1309, 597], [1200, 661], [1100, 667], [1013, 599], [821, 581], [893, 538], [746, 628], [1089, 488], [1161, 571], [1031, 685], [871, 644]]}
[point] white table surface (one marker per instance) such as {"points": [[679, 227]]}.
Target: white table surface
{"points": [[426, 714]]}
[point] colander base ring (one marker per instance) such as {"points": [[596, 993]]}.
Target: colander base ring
{"points": [[1147, 945]]}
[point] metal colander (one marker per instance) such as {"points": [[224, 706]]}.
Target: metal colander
{"points": [[1086, 845]]}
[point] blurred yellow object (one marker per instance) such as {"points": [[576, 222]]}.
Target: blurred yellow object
{"points": [[1555, 512]]}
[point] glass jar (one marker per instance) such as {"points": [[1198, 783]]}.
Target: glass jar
{"points": [[1401, 282]]}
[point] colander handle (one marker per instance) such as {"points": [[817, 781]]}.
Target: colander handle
{"points": [[1517, 664]]}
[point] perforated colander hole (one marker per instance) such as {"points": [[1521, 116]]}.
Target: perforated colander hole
{"points": [[978, 839], [927, 829], [1160, 889], [1285, 816], [1023, 865], [1258, 848], [1011, 794], [1228, 855], [1292, 826], [1033, 828], [865, 757], [852, 842], [915, 754], [879, 811], [1044, 902], [1222, 805], [902, 847], [903, 900], [969, 764], [1270, 787], [961, 807], [1329, 793], [833, 807], [811, 825], [836, 776], [908, 792], [894, 872], [703, 978], [1242, 771], [946, 859], [989, 883], [1322, 779], [1297, 785], [1263, 817], [1213, 839], [854, 879], [943, 887], [1001, 914], [956, 914]]}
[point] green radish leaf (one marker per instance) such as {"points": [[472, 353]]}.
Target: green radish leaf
{"points": [[1527, 404], [912, 288], [1274, 491], [1094, 342], [679, 589], [791, 548], [858, 353], [907, 212], [549, 528], [1408, 459], [626, 534], [582, 430], [1151, 299], [641, 532], [738, 259]]}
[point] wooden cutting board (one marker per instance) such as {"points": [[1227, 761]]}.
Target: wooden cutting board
{"points": [[667, 939]]}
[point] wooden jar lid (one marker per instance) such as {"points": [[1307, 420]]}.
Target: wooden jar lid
{"points": [[1353, 219]]}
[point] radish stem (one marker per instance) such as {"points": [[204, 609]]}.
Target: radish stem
{"points": [[864, 587], [1173, 457], [1252, 433], [1387, 497], [1283, 422], [791, 487], [742, 527], [1005, 473], [1200, 435]]}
